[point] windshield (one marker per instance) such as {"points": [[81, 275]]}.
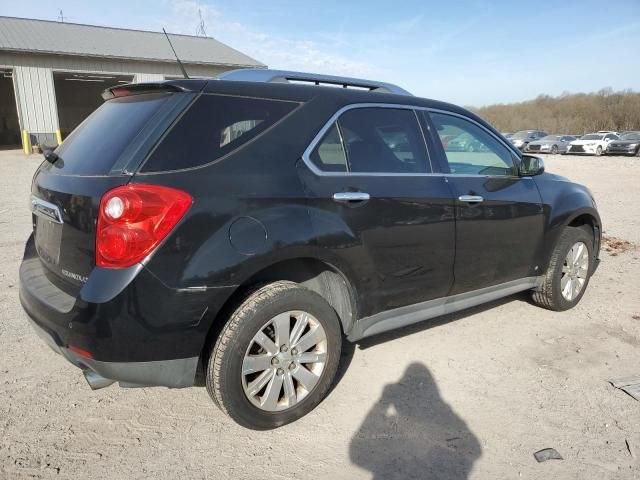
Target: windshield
{"points": [[592, 136], [550, 138], [631, 136]]}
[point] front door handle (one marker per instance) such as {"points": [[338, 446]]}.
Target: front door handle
{"points": [[471, 198], [351, 197]]}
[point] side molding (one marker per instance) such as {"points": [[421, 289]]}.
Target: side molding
{"points": [[403, 316]]}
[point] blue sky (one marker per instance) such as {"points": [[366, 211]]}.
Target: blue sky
{"points": [[467, 52]]}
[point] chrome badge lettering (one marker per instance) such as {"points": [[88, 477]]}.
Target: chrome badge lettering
{"points": [[75, 276]]}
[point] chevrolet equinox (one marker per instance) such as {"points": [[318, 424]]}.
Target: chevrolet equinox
{"points": [[235, 231]]}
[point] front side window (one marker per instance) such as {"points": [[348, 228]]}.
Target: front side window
{"points": [[373, 140], [471, 150]]}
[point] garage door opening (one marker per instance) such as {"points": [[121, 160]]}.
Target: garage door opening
{"points": [[9, 123], [79, 94]]}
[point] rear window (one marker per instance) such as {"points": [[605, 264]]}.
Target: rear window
{"points": [[95, 146], [214, 126]]}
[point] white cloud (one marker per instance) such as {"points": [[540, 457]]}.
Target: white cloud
{"points": [[279, 52]]}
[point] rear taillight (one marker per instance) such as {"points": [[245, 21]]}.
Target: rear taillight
{"points": [[134, 219]]}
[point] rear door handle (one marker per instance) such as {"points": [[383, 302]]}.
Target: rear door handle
{"points": [[351, 197], [471, 198]]}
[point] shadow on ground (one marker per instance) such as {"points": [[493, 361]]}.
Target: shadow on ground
{"points": [[412, 433]]}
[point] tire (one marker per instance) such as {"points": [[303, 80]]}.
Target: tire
{"points": [[638, 152], [550, 294], [554, 150], [598, 151], [226, 379]]}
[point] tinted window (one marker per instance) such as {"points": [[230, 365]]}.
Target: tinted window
{"points": [[383, 140], [329, 154], [471, 150], [631, 136], [214, 126], [94, 147]]}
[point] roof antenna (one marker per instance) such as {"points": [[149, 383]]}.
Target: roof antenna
{"points": [[184, 72]]}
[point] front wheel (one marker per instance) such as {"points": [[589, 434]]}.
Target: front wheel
{"points": [[569, 270], [554, 150], [276, 356], [598, 151]]}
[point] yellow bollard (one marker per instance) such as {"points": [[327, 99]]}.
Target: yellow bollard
{"points": [[59, 136], [26, 142]]}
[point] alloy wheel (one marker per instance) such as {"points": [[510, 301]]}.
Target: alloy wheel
{"points": [[574, 271], [284, 361]]}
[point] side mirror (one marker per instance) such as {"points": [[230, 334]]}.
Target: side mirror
{"points": [[531, 166]]}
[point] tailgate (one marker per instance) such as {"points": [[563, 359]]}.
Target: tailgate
{"points": [[97, 157]]}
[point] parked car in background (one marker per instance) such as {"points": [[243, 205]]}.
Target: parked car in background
{"points": [[551, 144], [609, 131], [628, 144], [592, 143], [522, 138], [465, 143], [507, 135]]}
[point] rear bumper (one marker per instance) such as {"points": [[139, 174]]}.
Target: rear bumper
{"points": [[135, 329], [167, 373]]}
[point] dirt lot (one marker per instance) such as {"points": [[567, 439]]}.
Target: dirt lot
{"points": [[471, 395]]}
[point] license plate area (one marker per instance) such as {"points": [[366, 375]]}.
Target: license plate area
{"points": [[48, 236]]}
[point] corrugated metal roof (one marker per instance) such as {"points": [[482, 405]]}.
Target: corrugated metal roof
{"points": [[43, 36]]}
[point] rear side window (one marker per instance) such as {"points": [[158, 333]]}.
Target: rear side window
{"points": [[373, 140], [214, 126], [95, 146]]}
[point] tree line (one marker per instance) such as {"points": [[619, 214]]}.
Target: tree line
{"points": [[568, 113]]}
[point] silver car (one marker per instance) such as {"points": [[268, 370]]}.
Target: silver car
{"points": [[551, 144]]}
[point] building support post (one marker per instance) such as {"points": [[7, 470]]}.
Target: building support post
{"points": [[26, 142]]}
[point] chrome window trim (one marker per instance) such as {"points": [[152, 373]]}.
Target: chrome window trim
{"points": [[306, 155]]}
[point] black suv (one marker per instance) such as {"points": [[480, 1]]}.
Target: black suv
{"points": [[234, 231]]}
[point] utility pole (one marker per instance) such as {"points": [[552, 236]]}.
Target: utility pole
{"points": [[201, 30]]}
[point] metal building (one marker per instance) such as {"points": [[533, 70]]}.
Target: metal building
{"points": [[52, 73]]}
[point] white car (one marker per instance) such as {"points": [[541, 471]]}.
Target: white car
{"points": [[592, 143]]}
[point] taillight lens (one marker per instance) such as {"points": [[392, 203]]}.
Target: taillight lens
{"points": [[134, 219]]}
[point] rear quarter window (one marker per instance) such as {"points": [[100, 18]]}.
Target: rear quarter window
{"points": [[213, 127]]}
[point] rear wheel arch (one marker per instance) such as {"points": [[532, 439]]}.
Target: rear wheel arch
{"points": [[315, 274]]}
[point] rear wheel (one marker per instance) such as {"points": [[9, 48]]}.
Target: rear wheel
{"points": [[554, 150], [569, 270], [599, 151], [276, 357]]}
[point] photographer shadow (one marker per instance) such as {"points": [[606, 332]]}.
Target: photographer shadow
{"points": [[412, 433]]}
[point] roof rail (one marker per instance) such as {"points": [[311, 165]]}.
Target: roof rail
{"points": [[283, 76]]}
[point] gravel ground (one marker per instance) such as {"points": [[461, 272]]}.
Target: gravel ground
{"points": [[470, 395]]}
